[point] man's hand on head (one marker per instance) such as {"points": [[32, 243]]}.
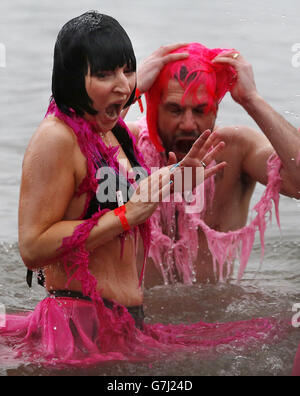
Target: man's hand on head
{"points": [[150, 68], [244, 90]]}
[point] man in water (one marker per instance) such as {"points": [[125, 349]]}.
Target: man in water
{"points": [[181, 105]]}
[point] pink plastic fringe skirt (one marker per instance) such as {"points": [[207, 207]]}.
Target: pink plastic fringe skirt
{"points": [[66, 331]]}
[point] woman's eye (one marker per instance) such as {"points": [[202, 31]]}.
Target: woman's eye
{"points": [[102, 74], [128, 71]]}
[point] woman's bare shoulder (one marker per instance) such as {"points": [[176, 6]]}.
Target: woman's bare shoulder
{"points": [[52, 138], [55, 131]]}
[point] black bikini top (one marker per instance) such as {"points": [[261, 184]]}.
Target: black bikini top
{"points": [[109, 184]]}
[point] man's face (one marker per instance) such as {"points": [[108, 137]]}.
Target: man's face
{"points": [[180, 125]]}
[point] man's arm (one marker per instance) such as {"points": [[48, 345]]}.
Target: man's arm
{"points": [[284, 138], [285, 141], [280, 136], [258, 151]]}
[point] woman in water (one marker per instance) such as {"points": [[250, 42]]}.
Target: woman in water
{"points": [[87, 246]]}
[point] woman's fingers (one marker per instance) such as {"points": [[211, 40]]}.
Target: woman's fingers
{"points": [[159, 184], [198, 145], [215, 169], [209, 157], [202, 145], [208, 144]]}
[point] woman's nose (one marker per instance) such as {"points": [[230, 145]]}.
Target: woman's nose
{"points": [[122, 84]]}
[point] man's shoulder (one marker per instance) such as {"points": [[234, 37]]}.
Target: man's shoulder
{"points": [[241, 134], [235, 133]]}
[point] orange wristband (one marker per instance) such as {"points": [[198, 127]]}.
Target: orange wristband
{"points": [[121, 213]]}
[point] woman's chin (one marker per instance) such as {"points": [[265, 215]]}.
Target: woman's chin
{"points": [[106, 124]]}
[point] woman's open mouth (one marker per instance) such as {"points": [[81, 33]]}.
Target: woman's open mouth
{"points": [[113, 111]]}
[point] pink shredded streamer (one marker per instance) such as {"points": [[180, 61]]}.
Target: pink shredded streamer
{"points": [[225, 247], [46, 335], [171, 255]]}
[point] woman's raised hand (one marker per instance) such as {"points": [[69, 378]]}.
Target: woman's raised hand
{"points": [[160, 185], [202, 155]]}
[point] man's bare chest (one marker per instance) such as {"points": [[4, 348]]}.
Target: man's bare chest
{"points": [[228, 210]]}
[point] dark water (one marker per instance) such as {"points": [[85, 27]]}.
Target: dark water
{"points": [[264, 32]]}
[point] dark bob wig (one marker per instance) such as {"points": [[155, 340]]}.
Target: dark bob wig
{"points": [[94, 41]]}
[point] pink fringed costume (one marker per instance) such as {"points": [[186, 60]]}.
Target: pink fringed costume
{"points": [[66, 330], [198, 71], [224, 247]]}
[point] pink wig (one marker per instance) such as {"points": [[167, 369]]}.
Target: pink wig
{"points": [[195, 71]]}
